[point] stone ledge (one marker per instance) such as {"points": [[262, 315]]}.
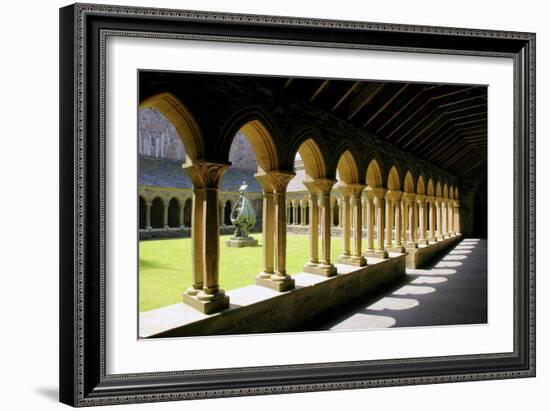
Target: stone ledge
{"points": [[423, 254], [256, 309]]}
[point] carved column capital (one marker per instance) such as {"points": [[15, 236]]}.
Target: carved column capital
{"points": [[378, 192], [351, 190], [205, 174], [274, 181], [409, 197], [421, 199]]}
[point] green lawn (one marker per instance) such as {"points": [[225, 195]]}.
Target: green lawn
{"points": [[165, 266]]}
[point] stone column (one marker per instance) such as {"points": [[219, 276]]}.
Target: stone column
{"points": [[403, 221], [165, 216], [379, 204], [346, 225], [421, 201], [340, 214], [364, 210], [313, 226], [438, 209], [277, 182], [357, 255], [451, 218], [445, 215], [410, 200], [148, 205], [389, 222], [206, 177], [325, 267], [370, 223], [303, 202], [396, 202], [457, 216], [268, 226], [180, 215], [432, 238]]}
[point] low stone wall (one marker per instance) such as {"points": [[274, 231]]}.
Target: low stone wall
{"points": [[161, 233], [256, 309], [418, 257]]}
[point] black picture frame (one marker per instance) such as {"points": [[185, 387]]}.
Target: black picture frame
{"points": [[83, 381]]}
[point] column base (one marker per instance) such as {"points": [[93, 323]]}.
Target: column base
{"points": [[432, 240], [397, 249], [216, 304], [321, 269], [358, 261], [411, 244], [376, 253], [440, 237], [282, 285], [423, 242]]}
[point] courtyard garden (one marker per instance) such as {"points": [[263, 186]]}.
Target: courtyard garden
{"points": [[165, 266]]}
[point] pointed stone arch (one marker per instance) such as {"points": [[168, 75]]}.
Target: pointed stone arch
{"points": [[315, 163], [374, 175], [445, 191], [438, 191], [183, 121], [348, 169], [451, 192], [456, 193], [421, 185], [408, 185], [394, 180], [430, 189]]}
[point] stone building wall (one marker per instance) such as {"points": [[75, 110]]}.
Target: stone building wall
{"points": [[158, 138]]}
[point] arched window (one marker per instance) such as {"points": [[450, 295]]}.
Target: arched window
{"points": [[173, 211], [157, 211], [187, 213], [142, 211], [227, 213]]}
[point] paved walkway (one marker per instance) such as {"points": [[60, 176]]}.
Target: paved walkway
{"points": [[452, 291]]}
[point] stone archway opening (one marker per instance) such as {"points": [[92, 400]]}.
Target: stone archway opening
{"points": [[142, 212], [173, 213], [157, 213]]}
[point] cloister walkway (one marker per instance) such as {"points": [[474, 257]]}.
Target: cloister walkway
{"points": [[452, 291]]}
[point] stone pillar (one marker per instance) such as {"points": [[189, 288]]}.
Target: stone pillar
{"points": [[268, 230], [421, 201], [397, 214], [148, 205], [325, 267], [457, 217], [378, 195], [410, 201], [357, 255], [403, 221], [313, 226], [370, 224], [303, 202], [340, 214], [445, 216], [346, 225], [165, 215], [276, 182], [389, 222], [439, 211], [206, 177], [432, 238], [295, 216], [364, 210], [351, 210], [451, 218], [180, 215]]}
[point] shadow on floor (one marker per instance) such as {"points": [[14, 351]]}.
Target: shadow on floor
{"points": [[451, 291]]}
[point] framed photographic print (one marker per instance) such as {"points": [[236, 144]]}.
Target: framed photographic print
{"points": [[261, 204]]}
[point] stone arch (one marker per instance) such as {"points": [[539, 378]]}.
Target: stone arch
{"points": [[430, 190], [183, 121], [374, 175], [408, 185], [348, 169], [394, 181], [456, 193], [157, 213], [227, 212], [445, 191], [451, 192], [421, 185], [259, 132], [438, 189], [313, 153], [173, 212]]}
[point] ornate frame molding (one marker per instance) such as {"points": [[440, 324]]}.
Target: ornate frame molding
{"points": [[82, 196]]}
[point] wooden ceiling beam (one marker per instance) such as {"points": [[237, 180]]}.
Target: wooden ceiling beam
{"points": [[365, 96], [323, 85], [346, 95], [386, 104]]}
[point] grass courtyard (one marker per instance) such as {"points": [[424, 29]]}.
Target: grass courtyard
{"points": [[165, 266]]}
